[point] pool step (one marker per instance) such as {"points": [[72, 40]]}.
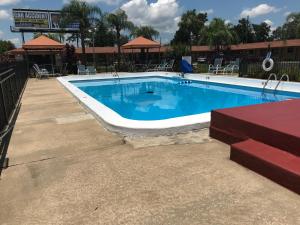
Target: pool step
{"points": [[273, 163]]}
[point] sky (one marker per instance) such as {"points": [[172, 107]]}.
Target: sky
{"points": [[163, 15]]}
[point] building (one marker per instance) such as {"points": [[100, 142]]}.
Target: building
{"points": [[282, 50], [288, 50]]}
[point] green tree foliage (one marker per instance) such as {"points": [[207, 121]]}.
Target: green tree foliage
{"points": [[118, 22], [6, 46], [190, 28], [179, 50], [262, 32], [145, 31], [69, 57], [104, 36], [219, 35], [83, 13], [277, 34], [290, 29], [244, 30], [235, 36]]}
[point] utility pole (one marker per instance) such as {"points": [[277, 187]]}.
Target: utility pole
{"points": [[23, 38], [93, 31]]}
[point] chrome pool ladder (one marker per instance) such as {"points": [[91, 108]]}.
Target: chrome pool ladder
{"points": [[115, 74], [269, 78], [281, 78]]}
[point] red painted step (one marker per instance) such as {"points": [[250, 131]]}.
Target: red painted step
{"points": [[273, 163], [276, 124]]}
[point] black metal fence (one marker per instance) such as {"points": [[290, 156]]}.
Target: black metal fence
{"points": [[253, 68], [13, 77]]}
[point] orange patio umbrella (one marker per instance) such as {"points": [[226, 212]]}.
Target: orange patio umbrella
{"points": [[141, 43]]}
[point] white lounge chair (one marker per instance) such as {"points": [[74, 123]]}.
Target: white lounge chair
{"points": [[216, 67], [156, 67], [170, 65], [81, 70], [91, 70], [165, 66], [233, 66], [40, 73], [161, 67]]}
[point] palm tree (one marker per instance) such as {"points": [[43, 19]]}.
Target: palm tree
{"points": [[219, 34], [145, 31], [118, 21], [83, 13]]}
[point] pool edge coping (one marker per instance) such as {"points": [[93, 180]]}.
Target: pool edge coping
{"points": [[118, 123]]}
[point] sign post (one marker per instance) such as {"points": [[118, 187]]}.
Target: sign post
{"points": [[35, 20]]}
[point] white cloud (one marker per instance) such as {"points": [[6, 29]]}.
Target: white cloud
{"points": [[259, 10], [1, 33], [15, 41], [108, 2], [4, 14], [163, 15], [227, 21], [269, 22], [287, 13], [208, 11], [9, 2]]}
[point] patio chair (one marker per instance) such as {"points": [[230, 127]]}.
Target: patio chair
{"points": [[170, 65], [91, 70], [40, 73], [81, 70], [216, 67], [232, 67], [156, 67]]}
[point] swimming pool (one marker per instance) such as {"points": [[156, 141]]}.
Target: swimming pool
{"points": [[159, 102], [159, 98]]}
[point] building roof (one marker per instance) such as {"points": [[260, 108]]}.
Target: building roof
{"points": [[114, 50], [141, 42], [264, 45], [105, 50], [42, 42], [239, 47]]}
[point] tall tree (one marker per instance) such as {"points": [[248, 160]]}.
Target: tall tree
{"points": [[190, 28], [145, 31], [235, 36], [69, 57], [218, 34], [6, 46], [119, 22], [244, 30], [262, 32], [277, 34], [83, 13], [291, 28], [103, 35]]}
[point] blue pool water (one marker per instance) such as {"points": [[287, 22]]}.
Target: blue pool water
{"points": [[157, 98]]}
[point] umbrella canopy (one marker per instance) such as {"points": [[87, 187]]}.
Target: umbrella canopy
{"points": [[141, 43], [42, 42]]}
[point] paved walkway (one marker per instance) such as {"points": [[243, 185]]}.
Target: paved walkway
{"points": [[65, 168]]}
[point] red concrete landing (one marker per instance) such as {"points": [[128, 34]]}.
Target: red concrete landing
{"points": [[275, 127]]}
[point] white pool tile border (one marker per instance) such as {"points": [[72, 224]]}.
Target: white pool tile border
{"points": [[120, 123]]}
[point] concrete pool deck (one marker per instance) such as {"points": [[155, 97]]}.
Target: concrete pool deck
{"points": [[65, 168]]}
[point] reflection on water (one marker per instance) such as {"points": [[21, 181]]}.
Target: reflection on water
{"points": [[163, 98]]}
